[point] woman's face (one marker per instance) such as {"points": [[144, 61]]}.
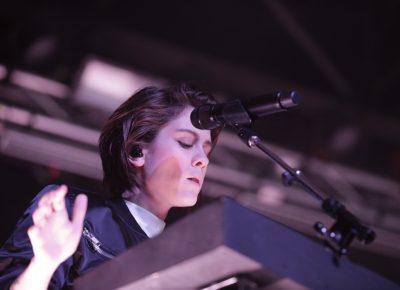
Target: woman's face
{"points": [[175, 163]]}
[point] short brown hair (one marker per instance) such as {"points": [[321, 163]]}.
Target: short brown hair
{"points": [[136, 122]]}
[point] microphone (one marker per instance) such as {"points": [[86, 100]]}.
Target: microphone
{"points": [[236, 113]]}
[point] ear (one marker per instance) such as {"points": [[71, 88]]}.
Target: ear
{"points": [[136, 160]]}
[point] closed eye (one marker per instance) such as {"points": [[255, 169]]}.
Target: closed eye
{"points": [[185, 145]]}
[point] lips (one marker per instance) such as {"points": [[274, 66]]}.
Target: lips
{"points": [[195, 180]]}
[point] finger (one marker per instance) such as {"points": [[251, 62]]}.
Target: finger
{"points": [[79, 211], [33, 232], [46, 198], [51, 195], [40, 214], [59, 198]]}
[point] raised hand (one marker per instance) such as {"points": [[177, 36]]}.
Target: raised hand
{"points": [[54, 238]]}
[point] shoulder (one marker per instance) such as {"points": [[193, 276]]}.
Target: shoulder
{"points": [[72, 193], [93, 197], [95, 200]]}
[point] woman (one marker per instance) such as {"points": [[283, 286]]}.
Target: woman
{"points": [[153, 159]]}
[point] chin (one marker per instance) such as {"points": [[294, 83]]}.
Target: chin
{"points": [[189, 199]]}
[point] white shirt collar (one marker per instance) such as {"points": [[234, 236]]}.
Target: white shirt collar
{"points": [[149, 223]]}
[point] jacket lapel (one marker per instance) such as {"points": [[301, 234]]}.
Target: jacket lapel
{"points": [[132, 232]]}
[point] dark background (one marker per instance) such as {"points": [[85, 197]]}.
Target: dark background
{"points": [[341, 56]]}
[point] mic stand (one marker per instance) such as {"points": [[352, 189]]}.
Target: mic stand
{"points": [[346, 226]]}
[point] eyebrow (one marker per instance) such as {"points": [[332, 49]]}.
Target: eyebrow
{"points": [[208, 142]]}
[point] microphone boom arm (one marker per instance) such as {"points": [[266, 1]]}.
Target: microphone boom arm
{"points": [[346, 227]]}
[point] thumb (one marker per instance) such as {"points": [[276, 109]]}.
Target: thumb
{"points": [[79, 211]]}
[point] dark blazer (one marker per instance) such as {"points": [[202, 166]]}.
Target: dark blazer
{"points": [[109, 229]]}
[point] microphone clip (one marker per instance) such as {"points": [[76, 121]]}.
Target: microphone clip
{"points": [[212, 116]]}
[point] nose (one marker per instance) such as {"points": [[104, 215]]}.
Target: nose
{"points": [[200, 159]]}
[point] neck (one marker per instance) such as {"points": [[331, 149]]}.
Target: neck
{"points": [[143, 200]]}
